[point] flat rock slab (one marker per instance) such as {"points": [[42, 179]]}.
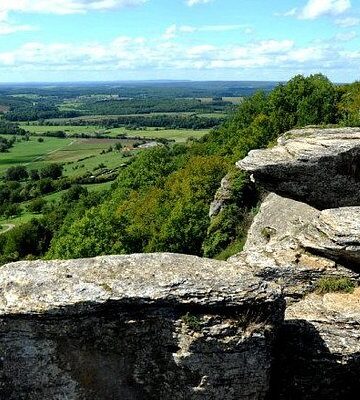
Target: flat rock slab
{"points": [[137, 327], [320, 167], [173, 279]]}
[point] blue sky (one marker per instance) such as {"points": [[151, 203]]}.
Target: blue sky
{"points": [[83, 40]]}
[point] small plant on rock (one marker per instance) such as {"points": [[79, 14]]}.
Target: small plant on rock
{"points": [[335, 284]]}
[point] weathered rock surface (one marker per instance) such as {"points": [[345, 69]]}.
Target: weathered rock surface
{"points": [[158, 326], [320, 167], [335, 234], [222, 196], [319, 349], [275, 250], [294, 244]]}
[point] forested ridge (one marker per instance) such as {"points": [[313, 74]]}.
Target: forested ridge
{"points": [[160, 201]]}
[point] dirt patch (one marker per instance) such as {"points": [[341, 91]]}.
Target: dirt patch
{"points": [[3, 108]]}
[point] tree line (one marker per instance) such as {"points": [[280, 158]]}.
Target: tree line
{"points": [[160, 202]]}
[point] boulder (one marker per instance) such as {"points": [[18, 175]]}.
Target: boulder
{"points": [[319, 349], [143, 326], [335, 233], [320, 167], [275, 252]]}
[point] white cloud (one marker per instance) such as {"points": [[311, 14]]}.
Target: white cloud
{"points": [[7, 28], [317, 8], [173, 30], [347, 22], [345, 36], [170, 32], [140, 54], [63, 7], [191, 3]]}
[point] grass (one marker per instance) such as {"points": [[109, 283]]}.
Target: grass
{"points": [[233, 248], [24, 217], [192, 321], [178, 135], [35, 155], [334, 285], [68, 129], [31, 153]]}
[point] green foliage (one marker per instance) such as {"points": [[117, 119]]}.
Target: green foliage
{"points": [[17, 173], [192, 321], [349, 104], [37, 205], [335, 284], [161, 199], [51, 171]]}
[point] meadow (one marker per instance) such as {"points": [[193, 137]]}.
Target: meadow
{"points": [[84, 153], [178, 135]]}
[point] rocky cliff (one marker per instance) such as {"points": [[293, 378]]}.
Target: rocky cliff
{"points": [[160, 326], [299, 244], [166, 326]]}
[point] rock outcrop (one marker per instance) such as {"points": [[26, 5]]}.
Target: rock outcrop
{"points": [[158, 326], [319, 349], [166, 326], [320, 167], [275, 252], [297, 244]]}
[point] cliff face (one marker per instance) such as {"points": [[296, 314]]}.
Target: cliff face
{"points": [[159, 326], [166, 326], [295, 244]]}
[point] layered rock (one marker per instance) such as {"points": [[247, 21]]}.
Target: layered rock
{"points": [[319, 349], [297, 245], [159, 326], [335, 233], [275, 249], [320, 167]]}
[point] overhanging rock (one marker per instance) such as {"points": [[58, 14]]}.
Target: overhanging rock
{"points": [[145, 326], [320, 167]]}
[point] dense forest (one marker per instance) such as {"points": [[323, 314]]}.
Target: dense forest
{"points": [[160, 201]]}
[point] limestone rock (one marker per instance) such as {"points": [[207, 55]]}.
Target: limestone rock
{"points": [[49, 286], [320, 167], [274, 251], [335, 234], [319, 356], [144, 326], [222, 195]]}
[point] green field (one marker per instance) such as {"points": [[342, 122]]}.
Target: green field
{"points": [[69, 151], [32, 153], [179, 135], [68, 129]]}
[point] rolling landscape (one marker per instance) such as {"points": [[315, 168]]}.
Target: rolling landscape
{"points": [[93, 132], [179, 200]]}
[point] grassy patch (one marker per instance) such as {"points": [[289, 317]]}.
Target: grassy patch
{"points": [[178, 135], [192, 321], [233, 248], [334, 284]]}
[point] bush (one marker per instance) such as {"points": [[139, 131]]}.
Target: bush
{"points": [[37, 205]]}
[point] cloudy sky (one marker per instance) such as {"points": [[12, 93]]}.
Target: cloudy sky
{"points": [[82, 40]]}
